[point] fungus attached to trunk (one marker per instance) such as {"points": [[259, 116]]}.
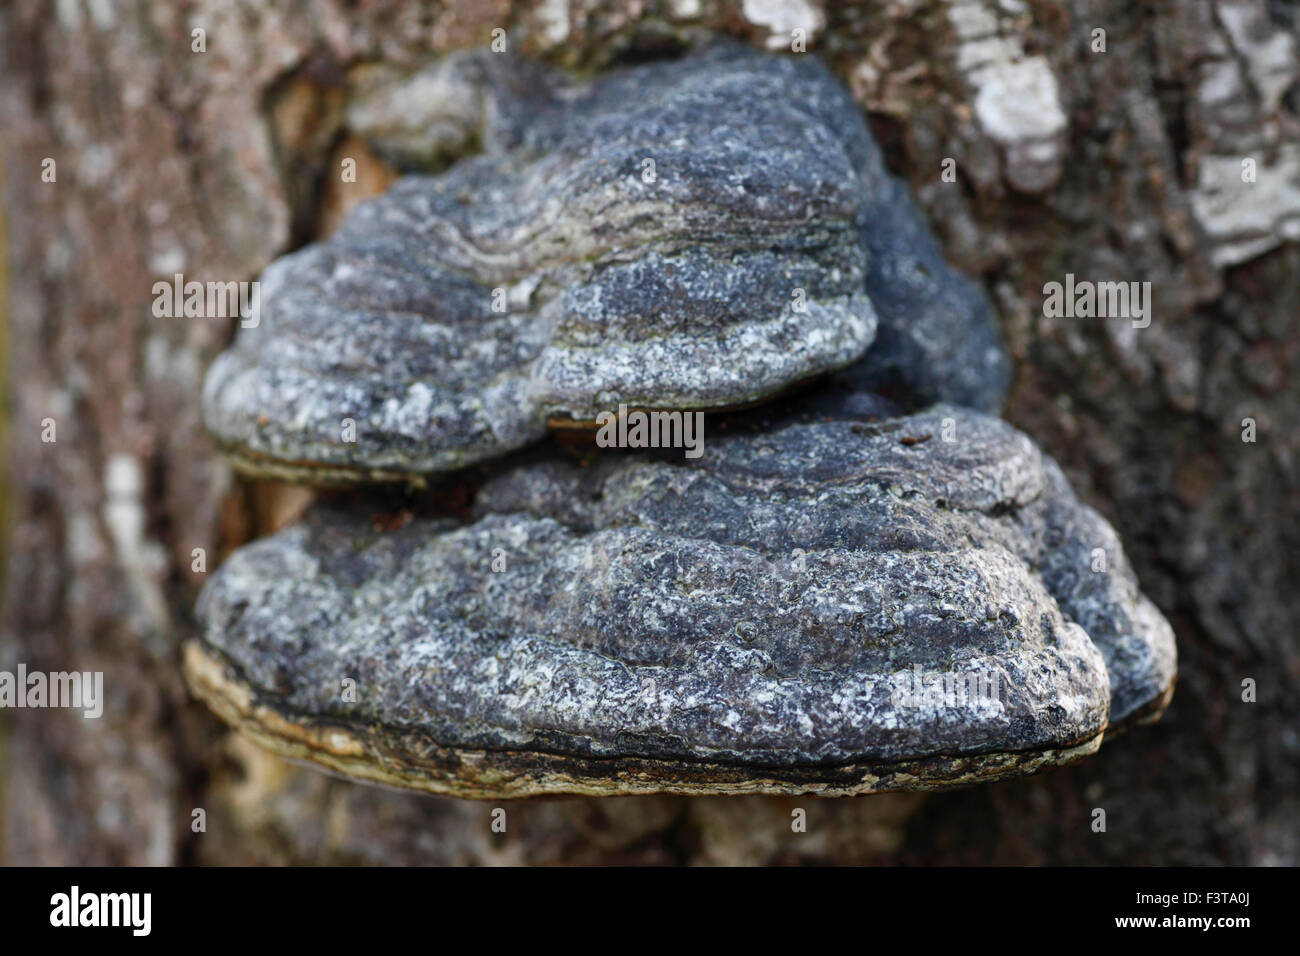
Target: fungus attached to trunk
{"points": [[835, 603], [681, 235], [843, 595], [692, 234]]}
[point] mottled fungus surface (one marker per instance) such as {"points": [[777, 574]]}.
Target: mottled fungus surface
{"points": [[937, 338], [681, 235], [841, 595], [835, 603]]}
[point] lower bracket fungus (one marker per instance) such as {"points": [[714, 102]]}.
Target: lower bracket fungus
{"points": [[843, 600]]}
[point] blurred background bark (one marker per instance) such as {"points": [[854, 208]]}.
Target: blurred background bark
{"points": [[1114, 156]]}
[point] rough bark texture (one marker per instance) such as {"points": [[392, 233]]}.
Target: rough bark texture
{"points": [[1118, 165]]}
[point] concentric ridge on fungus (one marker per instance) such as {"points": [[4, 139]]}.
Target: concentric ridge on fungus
{"points": [[727, 271], [768, 618]]}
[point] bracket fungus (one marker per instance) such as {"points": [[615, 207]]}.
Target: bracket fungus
{"points": [[693, 234], [836, 605], [679, 236], [842, 595]]}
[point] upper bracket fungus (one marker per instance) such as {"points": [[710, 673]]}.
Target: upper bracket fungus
{"points": [[681, 236], [693, 234], [843, 595]]}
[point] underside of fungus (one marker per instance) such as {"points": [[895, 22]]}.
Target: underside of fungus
{"points": [[837, 603]]}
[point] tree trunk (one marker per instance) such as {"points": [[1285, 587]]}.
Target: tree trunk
{"points": [[1165, 150]]}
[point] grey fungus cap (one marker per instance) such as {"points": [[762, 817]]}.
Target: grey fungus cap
{"points": [[701, 233], [839, 601], [680, 235]]}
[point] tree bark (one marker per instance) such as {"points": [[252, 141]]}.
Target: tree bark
{"points": [[1120, 163]]}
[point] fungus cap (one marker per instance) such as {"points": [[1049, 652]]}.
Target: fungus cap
{"points": [[834, 602], [679, 235]]}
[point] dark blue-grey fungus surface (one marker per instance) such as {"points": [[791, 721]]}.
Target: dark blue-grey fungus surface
{"points": [[680, 235], [689, 234], [834, 599]]}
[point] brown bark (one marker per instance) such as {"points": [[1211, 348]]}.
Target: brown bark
{"points": [[213, 163]]}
